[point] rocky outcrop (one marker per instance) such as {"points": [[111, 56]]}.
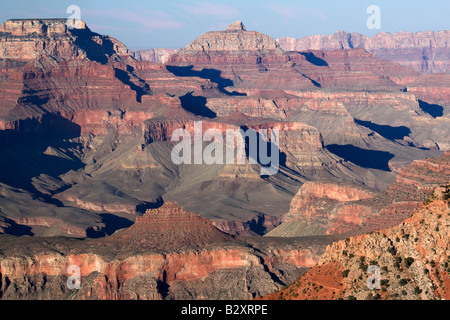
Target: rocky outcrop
{"points": [[301, 145], [22, 39], [88, 94], [234, 38], [180, 229], [432, 88], [316, 210], [118, 272], [414, 184], [425, 52], [412, 259]]}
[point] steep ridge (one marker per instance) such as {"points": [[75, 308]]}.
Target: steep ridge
{"points": [[315, 209], [358, 211], [425, 52], [89, 87], [413, 259], [85, 92]]}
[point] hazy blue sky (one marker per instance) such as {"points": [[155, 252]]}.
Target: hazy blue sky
{"points": [[174, 23]]}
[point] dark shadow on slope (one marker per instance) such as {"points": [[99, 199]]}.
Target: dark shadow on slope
{"points": [[162, 286], [125, 78], [257, 225], [18, 230], [370, 159], [33, 97], [311, 58], [388, 132], [196, 105], [23, 157], [142, 208], [433, 110], [318, 85], [94, 51], [114, 223], [258, 143], [48, 126], [101, 53], [210, 74]]}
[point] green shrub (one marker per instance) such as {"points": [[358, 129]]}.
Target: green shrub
{"points": [[403, 282], [362, 264], [392, 251], [397, 262], [408, 262], [384, 283]]}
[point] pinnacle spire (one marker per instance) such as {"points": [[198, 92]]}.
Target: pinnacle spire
{"points": [[237, 26]]}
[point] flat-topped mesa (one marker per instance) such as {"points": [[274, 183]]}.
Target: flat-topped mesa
{"points": [[38, 27], [234, 38], [23, 39]]}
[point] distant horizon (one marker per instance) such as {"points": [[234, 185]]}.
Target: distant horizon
{"points": [[172, 24], [382, 32], [150, 48]]}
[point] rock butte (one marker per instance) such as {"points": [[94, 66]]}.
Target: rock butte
{"points": [[170, 228]]}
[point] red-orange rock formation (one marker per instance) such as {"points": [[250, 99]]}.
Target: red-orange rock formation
{"points": [[413, 261], [316, 209], [414, 184], [112, 271], [170, 228], [433, 88]]}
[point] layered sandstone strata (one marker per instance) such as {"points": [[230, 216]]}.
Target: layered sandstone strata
{"points": [[235, 38], [316, 209], [22, 38], [178, 227], [301, 145], [89, 94], [425, 52], [167, 254], [412, 259]]}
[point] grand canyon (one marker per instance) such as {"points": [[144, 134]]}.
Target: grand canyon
{"points": [[87, 177]]}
